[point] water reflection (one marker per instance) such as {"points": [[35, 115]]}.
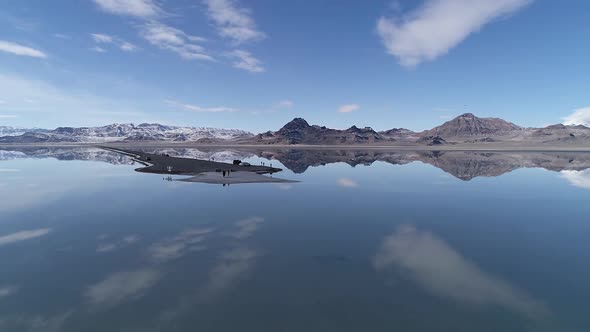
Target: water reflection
{"points": [[148, 255], [577, 178], [23, 236], [435, 265], [121, 286], [464, 165], [177, 246], [7, 290]]}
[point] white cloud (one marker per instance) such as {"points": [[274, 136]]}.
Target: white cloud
{"points": [[23, 236], [245, 60], [232, 21], [137, 8], [2, 116], [175, 40], [7, 290], [98, 49], [127, 47], [101, 38], [439, 25], [347, 183], [200, 109], [18, 49], [122, 286], [247, 227], [577, 178], [284, 104], [439, 269], [580, 116], [348, 108]]}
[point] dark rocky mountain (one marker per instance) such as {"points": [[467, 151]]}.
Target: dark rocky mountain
{"points": [[469, 125], [298, 131]]}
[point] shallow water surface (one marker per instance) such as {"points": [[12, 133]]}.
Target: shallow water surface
{"points": [[366, 241]]}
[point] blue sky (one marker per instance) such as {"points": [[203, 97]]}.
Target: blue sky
{"points": [[257, 64]]}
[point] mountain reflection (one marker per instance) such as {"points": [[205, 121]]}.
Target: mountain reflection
{"points": [[464, 165]]}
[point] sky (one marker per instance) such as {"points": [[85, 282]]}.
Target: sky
{"points": [[257, 64]]}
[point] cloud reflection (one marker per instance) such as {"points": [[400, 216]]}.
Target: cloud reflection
{"points": [[109, 247], [247, 227], [434, 265], [577, 178], [230, 266], [347, 183], [23, 236], [177, 246], [122, 286], [7, 290]]}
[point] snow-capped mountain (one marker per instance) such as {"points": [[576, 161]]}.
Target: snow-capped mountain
{"points": [[123, 132], [13, 131]]}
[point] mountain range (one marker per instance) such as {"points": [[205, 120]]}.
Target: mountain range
{"points": [[126, 132], [466, 129]]}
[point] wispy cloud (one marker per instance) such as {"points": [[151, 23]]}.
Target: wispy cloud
{"points": [[137, 8], [98, 49], [101, 38], [23, 236], [348, 108], [175, 40], [61, 36], [347, 183], [18, 49], [439, 25], [2, 116], [434, 265], [284, 104], [244, 60], [580, 116], [196, 108], [232, 21]]}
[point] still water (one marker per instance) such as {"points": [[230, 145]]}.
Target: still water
{"points": [[366, 241]]}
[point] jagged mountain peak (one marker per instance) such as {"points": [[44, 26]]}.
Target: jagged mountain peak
{"points": [[297, 123]]}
